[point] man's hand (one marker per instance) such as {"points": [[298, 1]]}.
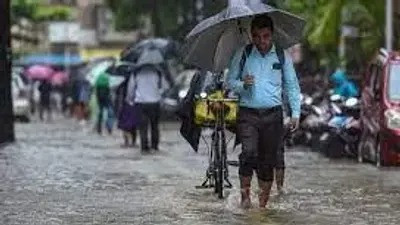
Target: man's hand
{"points": [[294, 124], [248, 81]]}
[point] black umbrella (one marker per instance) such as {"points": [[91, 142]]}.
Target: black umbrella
{"points": [[121, 68], [132, 53], [211, 44]]}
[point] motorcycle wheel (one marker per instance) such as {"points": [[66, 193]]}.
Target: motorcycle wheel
{"points": [[334, 147]]}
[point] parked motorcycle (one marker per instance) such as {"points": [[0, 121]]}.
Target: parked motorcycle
{"points": [[313, 115], [342, 132], [302, 136]]}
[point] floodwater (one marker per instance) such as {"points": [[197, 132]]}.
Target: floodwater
{"points": [[63, 173]]}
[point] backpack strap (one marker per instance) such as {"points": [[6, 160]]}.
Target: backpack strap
{"points": [[130, 95], [245, 54], [280, 53], [281, 57], [159, 73]]}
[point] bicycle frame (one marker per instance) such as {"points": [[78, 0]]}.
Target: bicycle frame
{"points": [[217, 173]]}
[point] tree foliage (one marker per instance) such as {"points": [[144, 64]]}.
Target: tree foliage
{"points": [[37, 12], [326, 17], [322, 34], [22, 8], [169, 18]]}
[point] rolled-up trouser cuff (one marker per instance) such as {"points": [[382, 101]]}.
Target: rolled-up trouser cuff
{"points": [[265, 173], [246, 167]]}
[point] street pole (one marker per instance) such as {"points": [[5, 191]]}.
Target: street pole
{"points": [[389, 25], [6, 109]]}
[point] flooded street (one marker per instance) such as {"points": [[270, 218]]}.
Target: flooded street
{"points": [[63, 173]]}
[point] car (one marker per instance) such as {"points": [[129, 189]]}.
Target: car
{"points": [[20, 97], [380, 111], [173, 96]]}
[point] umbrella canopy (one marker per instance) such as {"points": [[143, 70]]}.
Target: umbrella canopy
{"points": [[51, 59], [59, 78], [166, 47], [121, 69], [150, 57], [39, 72], [97, 70], [211, 44], [116, 81], [102, 69]]}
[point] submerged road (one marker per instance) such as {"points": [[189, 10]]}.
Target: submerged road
{"points": [[63, 173]]}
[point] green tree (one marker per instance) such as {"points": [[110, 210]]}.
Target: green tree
{"points": [[51, 13], [130, 14], [326, 17], [169, 18], [36, 11], [22, 8]]}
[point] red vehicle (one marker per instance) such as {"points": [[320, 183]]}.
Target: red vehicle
{"points": [[380, 111]]}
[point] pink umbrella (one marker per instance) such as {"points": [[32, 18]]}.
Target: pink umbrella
{"points": [[59, 78], [39, 72]]}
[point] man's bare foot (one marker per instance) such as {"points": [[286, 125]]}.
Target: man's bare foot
{"points": [[281, 192], [245, 200]]}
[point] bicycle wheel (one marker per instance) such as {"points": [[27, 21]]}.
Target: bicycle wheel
{"points": [[220, 167], [215, 158]]}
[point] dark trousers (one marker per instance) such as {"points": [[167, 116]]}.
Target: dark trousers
{"points": [[103, 104], [149, 114], [261, 134], [44, 106], [280, 158]]}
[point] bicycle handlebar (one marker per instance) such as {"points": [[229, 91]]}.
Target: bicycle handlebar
{"points": [[222, 100]]}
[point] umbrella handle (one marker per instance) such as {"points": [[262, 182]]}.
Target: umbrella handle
{"points": [[240, 26]]}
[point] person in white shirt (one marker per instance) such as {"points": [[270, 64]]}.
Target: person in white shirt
{"points": [[145, 87]]}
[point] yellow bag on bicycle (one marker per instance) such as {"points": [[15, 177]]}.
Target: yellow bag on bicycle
{"points": [[205, 114]]}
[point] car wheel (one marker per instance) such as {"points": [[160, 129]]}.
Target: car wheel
{"points": [[25, 119]]}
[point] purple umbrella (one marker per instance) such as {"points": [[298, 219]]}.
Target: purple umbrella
{"points": [[39, 72], [59, 78]]}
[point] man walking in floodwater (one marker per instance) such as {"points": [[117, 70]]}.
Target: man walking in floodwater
{"points": [[259, 73]]}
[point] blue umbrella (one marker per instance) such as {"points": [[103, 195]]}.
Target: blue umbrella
{"points": [[50, 59]]}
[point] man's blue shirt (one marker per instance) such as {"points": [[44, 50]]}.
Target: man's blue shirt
{"points": [[266, 92]]}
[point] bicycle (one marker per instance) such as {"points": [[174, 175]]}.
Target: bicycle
{"points": [[218, 109]]}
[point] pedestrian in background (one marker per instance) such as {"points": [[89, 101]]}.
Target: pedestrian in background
{"points": [[145, 86], [343, 86], [81, 97], [45, 90], [104, 102], [128, 117]]}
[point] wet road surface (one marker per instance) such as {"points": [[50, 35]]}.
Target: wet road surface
{"points": [[63, 173]]}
